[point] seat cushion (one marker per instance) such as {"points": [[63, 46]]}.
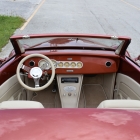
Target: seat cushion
{"points": [[20, 104], [120, 104]]}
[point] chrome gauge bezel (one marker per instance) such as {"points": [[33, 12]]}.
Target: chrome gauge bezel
{"points": [[54, 63], [60, 65], [66, 64], [46, 64], [73, 64], [79, 63]]}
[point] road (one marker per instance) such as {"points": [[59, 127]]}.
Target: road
{"points": [[113, 17]]}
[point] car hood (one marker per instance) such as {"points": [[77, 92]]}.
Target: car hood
{"points": [[76, 124]]}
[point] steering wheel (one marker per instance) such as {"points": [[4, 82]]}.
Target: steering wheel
{"points": [[35, 73]]}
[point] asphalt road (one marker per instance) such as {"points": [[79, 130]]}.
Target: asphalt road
{"points": [[23, 8], [113, 17]]}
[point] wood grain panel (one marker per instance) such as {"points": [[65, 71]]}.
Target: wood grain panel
{"points": [[93, 62], [91, 65]]}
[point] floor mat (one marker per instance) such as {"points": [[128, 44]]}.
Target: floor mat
{"points": [[94, 95], [82, 100], [48, 98], [91, 96], [57, 101]]}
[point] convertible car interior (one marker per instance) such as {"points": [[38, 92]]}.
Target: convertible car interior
{"points": [[71, 71]]}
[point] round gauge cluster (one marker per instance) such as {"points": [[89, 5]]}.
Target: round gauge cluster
{"points": [[60, 64], [73, 64], [70, 64], [54, 63], [66, 64], [79, 64], [44, 64]]}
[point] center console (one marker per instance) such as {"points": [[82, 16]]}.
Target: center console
{"points": [[69, 90]]}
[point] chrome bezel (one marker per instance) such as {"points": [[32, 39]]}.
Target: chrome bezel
{"points": [[74, 64], [47, 67], [81, 64], [53, 60]]}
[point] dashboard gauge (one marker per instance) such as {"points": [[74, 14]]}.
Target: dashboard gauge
{"points": [[44, 64], [54, 63], [79, 64], [66, 64], [60, 64], [73, 64]]}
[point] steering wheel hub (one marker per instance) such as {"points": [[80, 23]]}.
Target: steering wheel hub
{"points": [[36, 72]]}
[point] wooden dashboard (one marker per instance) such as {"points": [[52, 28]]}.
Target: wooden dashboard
{"points": [[92, 63]]}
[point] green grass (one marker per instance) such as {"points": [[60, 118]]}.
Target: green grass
{"points": [[8, 25]]}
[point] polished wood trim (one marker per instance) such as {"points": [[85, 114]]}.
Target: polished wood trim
{"points": [[91, 64]]}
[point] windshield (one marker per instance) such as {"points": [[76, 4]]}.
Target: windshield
{"points": [[31, 43]]}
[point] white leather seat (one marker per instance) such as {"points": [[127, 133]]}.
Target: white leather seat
{"points": [[120, 104], [20, 104]]}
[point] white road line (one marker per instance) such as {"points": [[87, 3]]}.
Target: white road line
{"points": [[25, 24], [130, 5]]}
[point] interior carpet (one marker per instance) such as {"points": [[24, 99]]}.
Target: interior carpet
{"points": [[48, 98], [94, 95], [82, 100]]}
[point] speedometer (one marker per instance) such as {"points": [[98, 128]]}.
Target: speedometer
{"points": [[44, 64], [54, 63]]}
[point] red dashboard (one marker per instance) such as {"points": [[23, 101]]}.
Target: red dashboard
{"points": [[90, 63]]}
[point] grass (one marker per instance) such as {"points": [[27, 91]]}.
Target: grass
{"points": [[8, 25]]}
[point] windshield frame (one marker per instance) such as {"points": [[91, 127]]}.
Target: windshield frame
{"points": [[19, 48]]}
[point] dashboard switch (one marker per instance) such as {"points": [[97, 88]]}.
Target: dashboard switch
{"points": [[69, 94]]}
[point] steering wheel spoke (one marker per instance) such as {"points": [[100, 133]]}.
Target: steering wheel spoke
{"points": [[25, 68], [36, 80]]}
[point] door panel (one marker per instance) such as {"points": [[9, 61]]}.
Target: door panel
{"points": [[129, 68], [10, 89], [126, 88], [127, 80]]}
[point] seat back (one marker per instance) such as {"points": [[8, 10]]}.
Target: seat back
{"points": [[20, 104], [120, 104]]}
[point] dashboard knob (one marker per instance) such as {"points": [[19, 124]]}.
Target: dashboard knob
{"points": [[69, 94]]}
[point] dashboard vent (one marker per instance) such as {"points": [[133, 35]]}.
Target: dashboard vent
{"points": [[31, 63], [108, 64]]}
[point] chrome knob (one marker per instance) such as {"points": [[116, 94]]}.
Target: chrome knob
{"points": [[69, 94]]}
